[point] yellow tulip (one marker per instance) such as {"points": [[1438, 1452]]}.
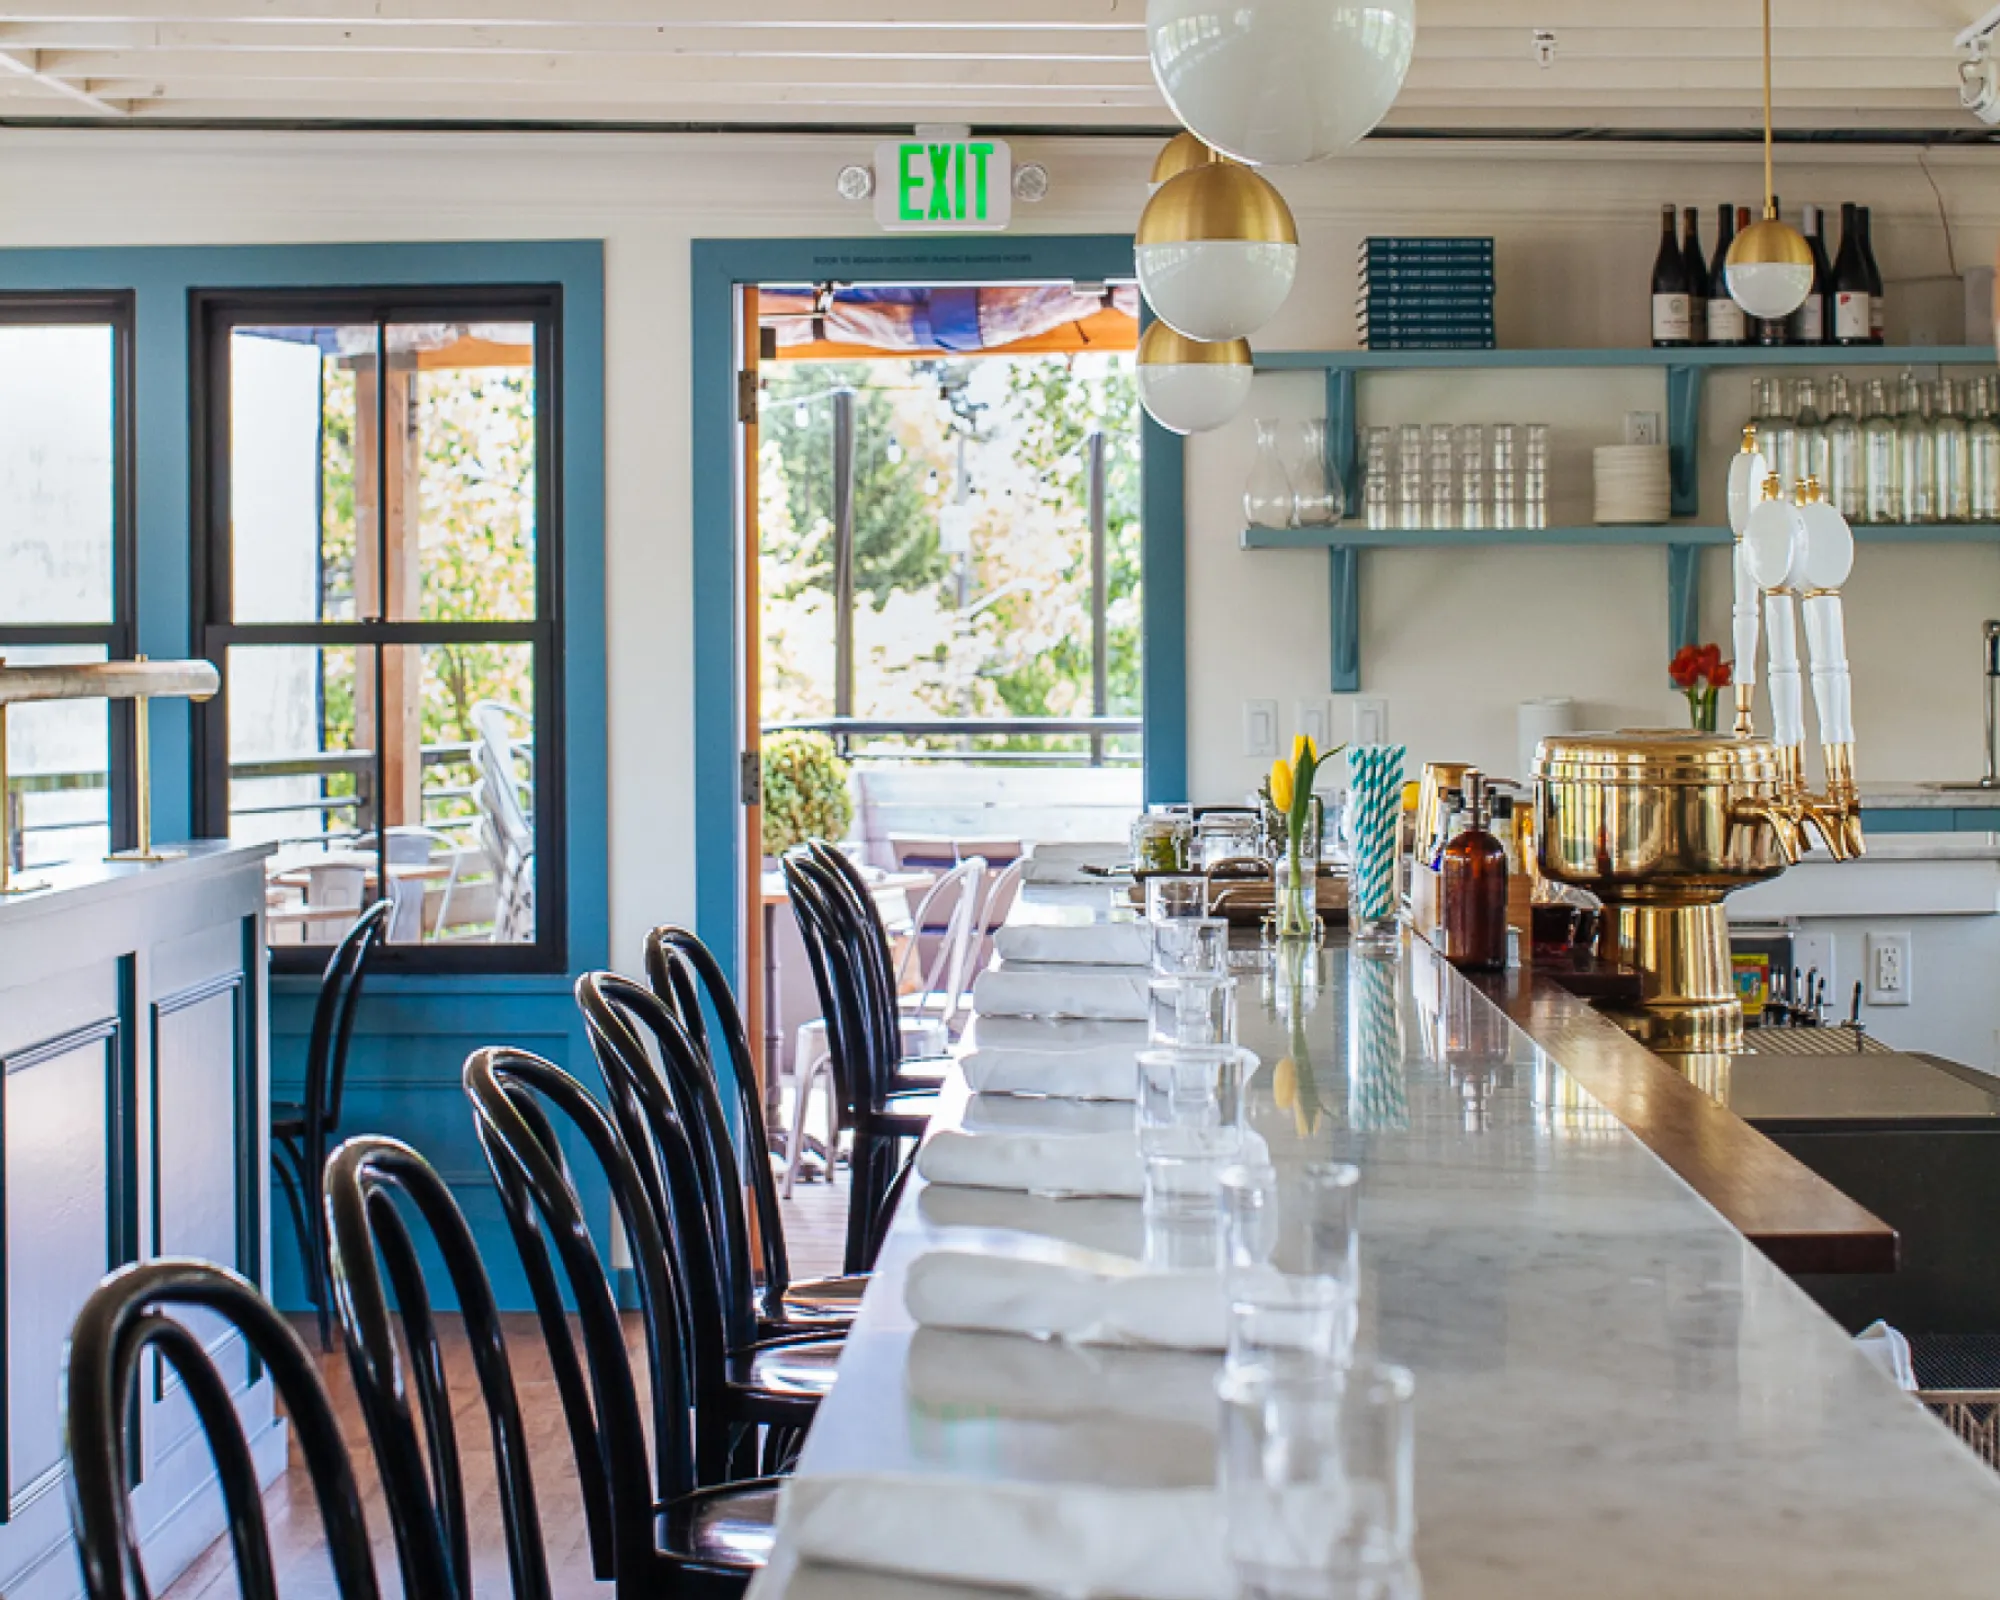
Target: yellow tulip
{"points": [[1281, 787], [1285, 1082]]}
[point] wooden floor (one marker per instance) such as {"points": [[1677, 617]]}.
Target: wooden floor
{"points": [[815, 1219]]}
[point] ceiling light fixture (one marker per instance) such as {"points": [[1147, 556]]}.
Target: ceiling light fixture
{"points": [[1769, 267], [1188, 386], [1182, 153], [1217, 251]]}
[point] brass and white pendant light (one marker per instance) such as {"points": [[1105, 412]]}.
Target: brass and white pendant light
{"points": [[1217, 251], [1182, 153], [1769, 266], [1187, 385], [1276, 82]]}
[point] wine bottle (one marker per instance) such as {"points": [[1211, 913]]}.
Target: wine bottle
{"points": [[1726, 324], [1695, 270], [1812, 323], [1671, 311], [1874, 278], [1775, 330], [1851, 296]]}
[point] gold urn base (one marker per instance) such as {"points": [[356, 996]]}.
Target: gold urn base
{"points": [[1688, 999]]}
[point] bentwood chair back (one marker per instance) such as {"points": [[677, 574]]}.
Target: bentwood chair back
{"points": [[652, 1527], [302, 1131], [371, 1186], [129, 1314]]}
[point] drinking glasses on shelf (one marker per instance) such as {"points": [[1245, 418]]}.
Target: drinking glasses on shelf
{"points": [[1191, 947], [1267, 497], [1291, 1265], [1317, 1483], [1410, 475], [1505, 468], [1472, 512], [1197, 1010], [1535, 475], [1438, 459], [1375, 479], [1189, 1115], [1315, 501]]}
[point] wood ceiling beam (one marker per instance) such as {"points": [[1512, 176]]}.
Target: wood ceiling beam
{"points": [[863, 15]]}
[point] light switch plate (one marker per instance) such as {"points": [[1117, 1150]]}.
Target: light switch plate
{"points": [[1260, 729], [1371, 719], [1314, 719]]}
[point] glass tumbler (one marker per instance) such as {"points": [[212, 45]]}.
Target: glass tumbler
{"points": [[1292, 1265], [1191, 947], [1190, 1122], [1198, 1010], [1176, 894], [1317, 1483]]}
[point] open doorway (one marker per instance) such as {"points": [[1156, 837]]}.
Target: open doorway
{"points": [[946, 503]]}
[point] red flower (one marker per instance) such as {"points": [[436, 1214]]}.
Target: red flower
{"points": [[1686, 667], [1720, 678], [1697, 666]]}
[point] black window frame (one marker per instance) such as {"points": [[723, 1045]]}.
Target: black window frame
{"points": [[118, 310], [213, 315]]}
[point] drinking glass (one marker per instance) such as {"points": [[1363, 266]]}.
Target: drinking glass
{"points": [[1292, 1251], [1410, 475], [1317, 1482], [1472, 475], [1176, 895], [1191, 947], [1198, 1010], [1190, 1121]]}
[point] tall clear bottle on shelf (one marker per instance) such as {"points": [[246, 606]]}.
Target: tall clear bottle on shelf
{"points": [[1881, 485], [1916, 454], [1267, 497], [1726, 323], [1952, 444], [1983, 449], [1843, 478], [1810, 445], [1777, 436]]}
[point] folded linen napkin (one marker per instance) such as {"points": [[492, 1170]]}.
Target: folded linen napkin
{"points": [[1020, 1113], [989, 1293], [1059, 863], [959, 1373], [1036, 1163], [1070, 1539], [1108, 1226], [1056, 1033], [1115, 994], [1089, 944], [1104, 1072]]}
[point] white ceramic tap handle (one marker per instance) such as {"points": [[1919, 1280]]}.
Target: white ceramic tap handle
{"points": [[1787, 687], [1827, 648], [1743, 620]]}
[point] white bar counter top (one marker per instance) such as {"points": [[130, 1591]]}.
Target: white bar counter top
{"points": [[1617, 1394]]}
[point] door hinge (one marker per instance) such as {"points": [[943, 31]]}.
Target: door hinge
{"points": [[746, 397], [751, 775]]}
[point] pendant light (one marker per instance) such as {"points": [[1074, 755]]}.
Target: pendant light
{"points": [[1770, 265], [1182, 153], [1280, 81], [1188, 386], [1217, 251]]}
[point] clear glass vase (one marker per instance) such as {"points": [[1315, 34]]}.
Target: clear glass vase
{"points": [[1267, 497], [1315, 503], [1295, 898]]}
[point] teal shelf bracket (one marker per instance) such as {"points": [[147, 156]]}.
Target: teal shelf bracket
{"points": [[1343, 566], [1683, 595], [1683, 439], [1343, 437]]}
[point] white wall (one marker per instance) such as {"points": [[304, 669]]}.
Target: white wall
{"points": [[1453, 640]]}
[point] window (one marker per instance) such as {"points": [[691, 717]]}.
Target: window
{"points": [[65, 563], [377, 579]]}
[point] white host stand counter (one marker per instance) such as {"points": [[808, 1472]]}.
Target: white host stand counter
{"points": [[134, 1122], [1940, 889]]}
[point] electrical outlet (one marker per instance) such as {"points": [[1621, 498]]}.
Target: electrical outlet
{"points": [[1315, 721], [1889, 969], [1260, 729], [1371, 719], [1642, 427]]}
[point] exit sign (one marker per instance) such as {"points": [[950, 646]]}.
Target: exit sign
{"points": [[943, 185]]}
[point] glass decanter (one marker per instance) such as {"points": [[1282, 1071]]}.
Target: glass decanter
{"points": [[1843, 451], [1881, 492], [1268, 499], [1315, 502], [1916, 454], [1952, 442], [1984, 454]]}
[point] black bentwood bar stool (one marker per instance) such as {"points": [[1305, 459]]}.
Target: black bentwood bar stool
{"points": [[125, 1317], [370, 1237], [653, 1528], [683, 972], [744, 1375], [302, 1131]]}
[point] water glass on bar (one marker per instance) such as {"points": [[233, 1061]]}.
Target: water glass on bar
{"points": [[1316, 1477], [1190, 1120], [1292, 1265], [1176, 895], [1198, 1010], [1191, 947]]}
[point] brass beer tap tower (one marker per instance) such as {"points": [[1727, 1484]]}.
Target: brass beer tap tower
{"points": [[1663, 824]]}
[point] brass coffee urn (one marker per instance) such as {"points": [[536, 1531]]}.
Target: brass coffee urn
{"points": [[1661, 825]]}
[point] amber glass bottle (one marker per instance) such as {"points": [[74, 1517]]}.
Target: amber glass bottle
{"points": [[1475, 890]]}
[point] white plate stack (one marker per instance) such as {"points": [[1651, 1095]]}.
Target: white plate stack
{"points": [[1630, 482]]}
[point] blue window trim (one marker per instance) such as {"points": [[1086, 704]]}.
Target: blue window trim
{"points": [[160, 279], [720, 268]]}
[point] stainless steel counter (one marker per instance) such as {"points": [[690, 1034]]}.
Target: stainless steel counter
{"points": [[1617, 1394]]}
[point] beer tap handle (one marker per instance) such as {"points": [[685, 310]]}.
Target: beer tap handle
{"points": [[1743, 619], [1787, 688]]}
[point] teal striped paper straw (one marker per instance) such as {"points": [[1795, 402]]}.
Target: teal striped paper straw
{"points": [[1375, 1098], [1375, 788]]}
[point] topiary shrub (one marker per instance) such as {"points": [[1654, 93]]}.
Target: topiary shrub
{"points": [[805, 791]]}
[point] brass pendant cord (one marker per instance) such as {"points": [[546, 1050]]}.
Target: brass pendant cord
{"points": [[1770, 198]]}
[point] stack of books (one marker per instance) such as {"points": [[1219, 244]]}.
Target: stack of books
{"points": [[1425, 294]]}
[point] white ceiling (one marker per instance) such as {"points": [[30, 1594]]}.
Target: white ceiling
{"points": [[1023, 63]]}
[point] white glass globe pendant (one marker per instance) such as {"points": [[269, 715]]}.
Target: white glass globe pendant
{"points": [[1276, 82], [1217, 252], [1188, 386], [1769, 267]]}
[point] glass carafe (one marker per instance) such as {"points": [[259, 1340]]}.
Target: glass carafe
{"points": [[1315, 502], [1881, 493], [1843, 451], [1984, 454], [1953, 444], [1777, 436], [1809, 450], [1267, 498], [1916, 454]]}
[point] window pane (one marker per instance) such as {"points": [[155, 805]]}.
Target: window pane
{"points": [[56, 473], [58, 767]]}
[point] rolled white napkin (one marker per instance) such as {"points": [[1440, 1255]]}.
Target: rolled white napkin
{"points": [[1036, 1163], [1090, 944], [1071, 1539], [1115, 994], [1104, 1072], [988, 1293]]}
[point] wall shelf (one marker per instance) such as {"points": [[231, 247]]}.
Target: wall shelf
{"points": [[1683, 541]]}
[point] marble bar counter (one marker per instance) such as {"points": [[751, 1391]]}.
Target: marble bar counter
{"points": [[1618, 1394], [134, 1104]]}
